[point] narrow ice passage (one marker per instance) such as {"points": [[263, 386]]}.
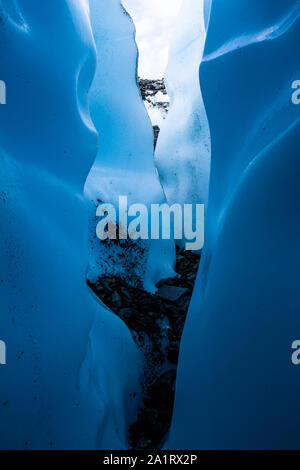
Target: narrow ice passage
{"points": [[56, 332], [122, 169], [70, 370], [171, 38]]}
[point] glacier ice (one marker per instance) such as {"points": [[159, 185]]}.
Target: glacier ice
{"points": [[71, 364], [183, 149], [125, 160], [237, 387]]}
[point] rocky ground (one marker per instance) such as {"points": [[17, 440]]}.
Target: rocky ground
{"points": [[156, 323], [156, 100]]}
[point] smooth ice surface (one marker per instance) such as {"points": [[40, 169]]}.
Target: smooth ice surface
{"points": [[71, 364], [237, 387], [125, 160], [183, 149]]}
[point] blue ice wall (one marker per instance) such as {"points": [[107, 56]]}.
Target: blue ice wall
{"points": [[237, 386], [71, 364]]}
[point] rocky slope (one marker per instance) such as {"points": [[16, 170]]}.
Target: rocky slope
{"points": [[156, 323], [156, 100]]}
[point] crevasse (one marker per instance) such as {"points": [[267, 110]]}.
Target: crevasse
{"points": [[72, 367]]}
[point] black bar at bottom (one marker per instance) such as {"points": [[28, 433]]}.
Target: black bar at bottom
{"points": [[134, 459]]}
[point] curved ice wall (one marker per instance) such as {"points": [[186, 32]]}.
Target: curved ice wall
{"points": [[125, 160], [237, 386], [183, 149], [71, 364]]}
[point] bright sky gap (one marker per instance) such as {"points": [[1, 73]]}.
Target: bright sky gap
{"points": [[154, 22]]}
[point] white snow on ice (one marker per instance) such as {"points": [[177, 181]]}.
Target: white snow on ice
{"points": [[154, 23]]}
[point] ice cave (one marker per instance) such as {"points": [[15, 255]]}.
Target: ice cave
{"points": [[141, 343]]}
